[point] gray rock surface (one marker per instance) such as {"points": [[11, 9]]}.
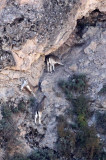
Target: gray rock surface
{"points": [[29, 30]]}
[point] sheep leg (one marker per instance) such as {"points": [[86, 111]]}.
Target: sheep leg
{"points": [[36, 115], [47, 66], [53, 67], [40, 115]]}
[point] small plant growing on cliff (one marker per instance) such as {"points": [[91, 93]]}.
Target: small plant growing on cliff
{"points": [[64, 85], [22, 106], [8, 131], [81, 109], [76, 83], [43, 154], [66, 138], [19, 157], [86, 143], [14, 110], [86, 139], [32, 101], [8, 134], [101, 122], [103, 90], [6, 111], [92, 142]]}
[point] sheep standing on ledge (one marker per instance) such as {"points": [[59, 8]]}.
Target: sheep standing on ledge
{"points": [[38, 108], [51, 60]]}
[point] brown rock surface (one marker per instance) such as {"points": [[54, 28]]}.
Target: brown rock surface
{"points": [[31, 29]]}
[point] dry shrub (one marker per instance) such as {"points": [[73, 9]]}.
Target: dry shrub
{"points": [[66, 138]]}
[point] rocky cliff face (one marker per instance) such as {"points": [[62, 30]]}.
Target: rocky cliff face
{"points": [[75, 31]]}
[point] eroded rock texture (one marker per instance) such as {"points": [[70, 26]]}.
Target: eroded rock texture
{"points": [[33, 28], [44, 26], [75, 31]]}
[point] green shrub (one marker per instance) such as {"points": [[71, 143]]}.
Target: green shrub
{"points": [[15, 109], [65, 87], [22, 106], [66, 138], [19, 157], [33, 102], [43, 154], [39, 154], [101, 122], [88, 142], [76, 83], [8, 134], [81, 105], [101, 156], [103, 90], [82, 122], [62, 125], [85, 143], [8, 131], [81, 109], [6, 111]]}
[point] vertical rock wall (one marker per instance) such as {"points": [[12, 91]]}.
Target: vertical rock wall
{"points": [[30, 29]]}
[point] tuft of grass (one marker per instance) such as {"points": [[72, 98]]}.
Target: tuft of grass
{"points": [[83, 143], [6, 111], [32, 101], [43, 154], [88, 143], [66, 138], [19, 157], [82, 122], [101, 122], [22, 106], [76, 83], [8, 134], [14, 109], [81, 105], [65, 87], [81, 109], [8, 131], [38, 154]]}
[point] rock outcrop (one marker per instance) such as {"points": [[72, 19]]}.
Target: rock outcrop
{"points": [[75, 31], [30, 29]]}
